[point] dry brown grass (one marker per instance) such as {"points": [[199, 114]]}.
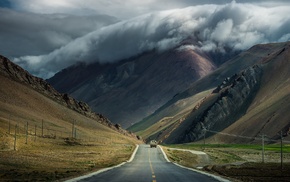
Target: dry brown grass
{"points": [[236, 164], [55, 155], [52, 159], [184, 158]]}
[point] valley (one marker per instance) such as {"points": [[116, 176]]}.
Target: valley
{"points": [[84, 84]]}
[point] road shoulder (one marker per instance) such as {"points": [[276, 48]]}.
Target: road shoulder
{"points": [[198, 153]]}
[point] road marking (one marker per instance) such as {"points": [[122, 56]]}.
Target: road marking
{"points": [[151, 167]]}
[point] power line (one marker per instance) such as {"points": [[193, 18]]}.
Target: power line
{"points": [[245, 137]]}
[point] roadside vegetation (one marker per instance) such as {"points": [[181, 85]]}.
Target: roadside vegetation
{"points": [[58, 158], [239, 162]]}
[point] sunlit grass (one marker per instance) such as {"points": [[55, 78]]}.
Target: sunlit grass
{"points": [[268, 147]]}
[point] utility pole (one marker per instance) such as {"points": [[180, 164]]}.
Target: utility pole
{"points": [[204, 138], [281, 152], [263, 148]]}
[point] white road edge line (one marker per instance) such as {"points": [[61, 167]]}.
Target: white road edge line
{"points": [[211, 175], [105, 169]]}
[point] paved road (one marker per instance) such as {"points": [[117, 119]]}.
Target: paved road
{"points": [[149, 165]]}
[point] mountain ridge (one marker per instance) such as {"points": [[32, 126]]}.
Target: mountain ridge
{"points": [[18, 74], [238, 63], [224, 103], [129, 90]]}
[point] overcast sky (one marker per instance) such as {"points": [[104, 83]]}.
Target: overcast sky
{"points": [[45, 36]]}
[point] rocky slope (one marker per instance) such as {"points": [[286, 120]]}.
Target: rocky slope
{"points": [[228, 102], [132, 89], [250, 103], [16, 73], [186, 100]]}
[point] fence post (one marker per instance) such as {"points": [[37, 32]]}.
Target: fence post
{"points": [[9, 126], [18, 127], [75, 133], [15, 138], [26, 133], [35, 133], [73, 128], [9, 123], [42, 128]]}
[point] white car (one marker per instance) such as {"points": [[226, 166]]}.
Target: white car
{"points": [[153, 143]]}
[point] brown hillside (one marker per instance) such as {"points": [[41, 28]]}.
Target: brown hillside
{"points": [[61, 149], [250, 102], [269, 112]]}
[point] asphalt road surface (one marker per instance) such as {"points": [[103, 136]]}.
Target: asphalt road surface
{"points": [[149, 165]]}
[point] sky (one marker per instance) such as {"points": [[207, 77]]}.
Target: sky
{"points": [[46, 36]]}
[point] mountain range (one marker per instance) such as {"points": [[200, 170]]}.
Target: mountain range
{"points": [[247, 96], [177, 96], [132, 89], [174, 96]]}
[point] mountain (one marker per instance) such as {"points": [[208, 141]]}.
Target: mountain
{"points": [[248, 96], [28, 98], [129, 90]]}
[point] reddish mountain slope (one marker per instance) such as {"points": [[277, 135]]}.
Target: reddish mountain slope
{"points": [[132, 89], [248, 103]]}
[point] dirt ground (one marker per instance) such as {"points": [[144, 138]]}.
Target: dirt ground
{"points": [[249, 171]]}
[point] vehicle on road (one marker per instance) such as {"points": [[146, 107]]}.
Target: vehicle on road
{"points": [[153, 143]]}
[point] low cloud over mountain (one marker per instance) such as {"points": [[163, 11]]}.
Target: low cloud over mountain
{"points": [[211, 28], [35, 34]]}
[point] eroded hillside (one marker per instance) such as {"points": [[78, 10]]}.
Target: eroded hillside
{"points": [[250, 103]]}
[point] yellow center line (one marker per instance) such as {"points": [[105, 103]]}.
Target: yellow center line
{"points": [[152, 171]]}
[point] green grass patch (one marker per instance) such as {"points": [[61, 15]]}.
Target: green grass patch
{"points": [[271, 147]]}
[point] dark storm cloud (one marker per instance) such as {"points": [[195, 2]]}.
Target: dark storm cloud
{"points": [[119, 8], [213, 27], [35, 34], [5, 4]]}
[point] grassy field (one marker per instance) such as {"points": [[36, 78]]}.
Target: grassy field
{"points": [[238, 162], [268, 147], [57, 158], [70, 144]]}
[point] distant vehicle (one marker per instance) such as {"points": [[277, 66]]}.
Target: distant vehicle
{"points": [[153, 143]]}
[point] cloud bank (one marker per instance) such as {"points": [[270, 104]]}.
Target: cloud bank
{"points": [[35, 34], [210, 27], [118, 8]]}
